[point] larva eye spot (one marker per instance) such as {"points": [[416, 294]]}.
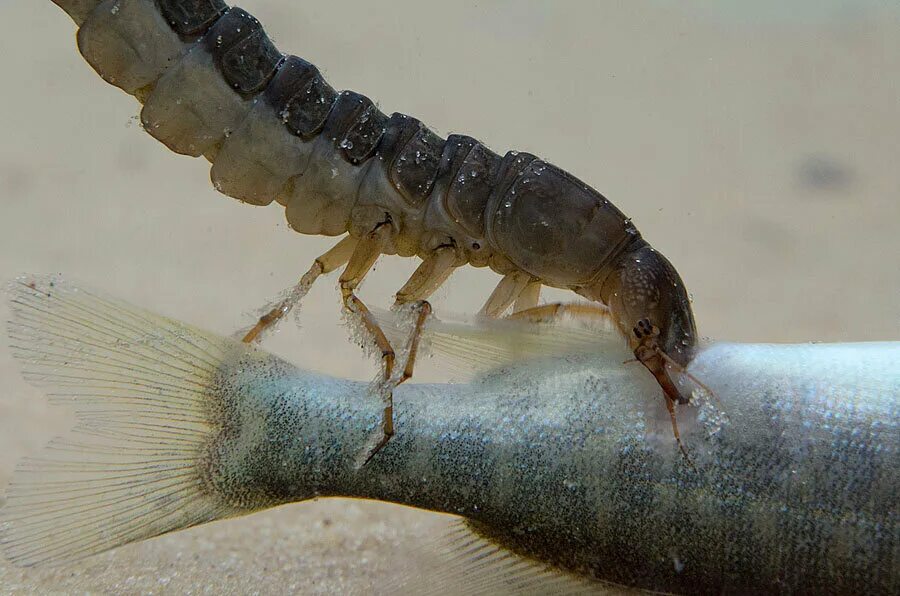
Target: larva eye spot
{"points": [[645, 329]]}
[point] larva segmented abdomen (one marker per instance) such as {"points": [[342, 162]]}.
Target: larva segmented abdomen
{"points": [[209, 90], [213, 84]]}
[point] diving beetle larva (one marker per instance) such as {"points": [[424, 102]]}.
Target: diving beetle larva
{"points": [[213, 84]]}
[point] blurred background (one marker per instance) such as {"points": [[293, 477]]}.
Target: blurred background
{"points": [[754, 144]]}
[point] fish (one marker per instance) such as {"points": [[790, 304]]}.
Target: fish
{"points": [[554, 456]]}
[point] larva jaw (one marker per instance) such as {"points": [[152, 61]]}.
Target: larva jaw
{"points": [[661, 366]]}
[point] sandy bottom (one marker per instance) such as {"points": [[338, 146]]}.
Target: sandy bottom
{"points": [[757, 151]]}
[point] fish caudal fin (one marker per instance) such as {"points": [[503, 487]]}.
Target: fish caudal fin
{"points": [[143, 388]]}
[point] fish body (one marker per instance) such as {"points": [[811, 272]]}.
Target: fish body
{"points": [[570, 463], [791, 485]]}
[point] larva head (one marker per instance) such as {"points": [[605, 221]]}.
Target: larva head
{"points": [[650, 305]]}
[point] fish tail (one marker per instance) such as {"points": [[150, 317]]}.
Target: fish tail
{"points": [[144, 391]]}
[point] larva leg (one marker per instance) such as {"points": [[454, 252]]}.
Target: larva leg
{"points": [[529, 297], [670, 406], [364, 256], [428, 277], [423, 311], [326, 263], [506, 292]]}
